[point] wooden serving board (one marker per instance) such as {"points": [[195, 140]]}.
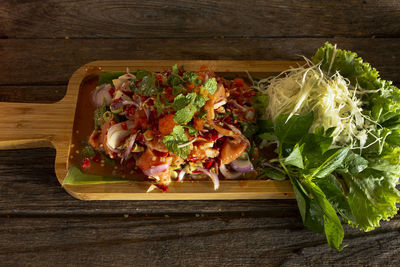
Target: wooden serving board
{"points": [[52, 125]]}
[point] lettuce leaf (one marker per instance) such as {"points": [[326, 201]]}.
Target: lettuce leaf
{"points": [[371, 178], [372, 197]]}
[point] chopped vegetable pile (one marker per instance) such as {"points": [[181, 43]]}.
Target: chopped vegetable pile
{"points": [[173, 123], [330, 126]]}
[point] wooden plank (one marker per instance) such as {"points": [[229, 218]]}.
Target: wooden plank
{"points": [[188, 241], [56, 65], [182, 18], [28, 186]]}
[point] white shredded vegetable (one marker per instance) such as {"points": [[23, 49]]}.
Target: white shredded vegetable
{"points": [[333, 100]]}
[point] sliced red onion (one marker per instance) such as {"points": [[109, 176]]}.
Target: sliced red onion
{"points": [[240, 165], [239, 106], [156, 170], [129, 147], [100, 94], [116, 133], [181, 175], [112, 149], [128, 102], [234, 129], [116, 106], [212, 175], [147, 111], [228, 174], [237, 131]]}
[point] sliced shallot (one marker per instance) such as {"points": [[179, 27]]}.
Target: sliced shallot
{"points": [[102, 94], [212, 175], [129, 147], [156, 170], [228, 174]]}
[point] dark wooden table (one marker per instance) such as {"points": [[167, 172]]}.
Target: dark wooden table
{"points": [[43, 42]]}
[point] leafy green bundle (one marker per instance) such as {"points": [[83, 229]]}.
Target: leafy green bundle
{"points": [[331, 180]]}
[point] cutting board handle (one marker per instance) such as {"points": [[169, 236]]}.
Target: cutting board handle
{"points": [[28, 125], [32, 125]]}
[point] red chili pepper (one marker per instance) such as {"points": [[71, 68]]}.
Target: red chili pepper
{"points": [[228, 119], [196, 171], [213, 135], [181, 72], [130, 110], [160, 154], [85, 163], [140, 139], [163, 187], [208, 163], [193, 159]]}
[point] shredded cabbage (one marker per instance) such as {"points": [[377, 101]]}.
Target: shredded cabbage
{"points": [[334, 101]]}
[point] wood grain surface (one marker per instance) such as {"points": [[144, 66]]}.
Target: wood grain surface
{"points": [[43, 42]]}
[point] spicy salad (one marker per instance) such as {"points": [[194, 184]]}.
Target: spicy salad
{"points": [[330, 126], [174, 123]]}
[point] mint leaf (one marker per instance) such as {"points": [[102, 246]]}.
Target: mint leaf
{"points": [[191, 130], [141, 73], [159, 105], [187, 106], [147, 86], [185, 115], [181, 101], [176, 138], [191, 77], [211, 85], [175, 69], [178, 89]]}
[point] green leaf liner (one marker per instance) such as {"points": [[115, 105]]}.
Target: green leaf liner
{"points": [[107, 77], [76, 177]]}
